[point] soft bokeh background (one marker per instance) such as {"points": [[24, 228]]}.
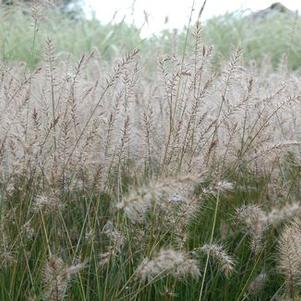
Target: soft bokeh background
{"points": [[178, 12], [156, 28]]}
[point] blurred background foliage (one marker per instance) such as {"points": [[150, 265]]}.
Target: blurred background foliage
{"points": [[24, 29]]}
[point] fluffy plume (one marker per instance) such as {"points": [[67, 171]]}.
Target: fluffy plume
{"points": [[162, 193], [220, 186], [290, 256], [168, 262], [225, 262], [168, 204], [57, 276], [278, 215], [47, 203], [256, 221]]}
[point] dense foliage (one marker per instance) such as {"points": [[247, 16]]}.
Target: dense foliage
{"points": [[169, 173]]}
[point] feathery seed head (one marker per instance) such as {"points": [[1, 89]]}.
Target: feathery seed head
{"points": [[47, 203], [56, 277], [253, 218], [289, 246], [168, 262], [225, 261]]}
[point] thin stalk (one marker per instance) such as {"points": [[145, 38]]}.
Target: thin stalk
{"points": [[45, 232], [211, 240]]}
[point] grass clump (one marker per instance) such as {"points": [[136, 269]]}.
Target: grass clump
{"points": [[118, 185]]}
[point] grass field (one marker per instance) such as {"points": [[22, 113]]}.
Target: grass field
{"points": [[158, 169]]}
